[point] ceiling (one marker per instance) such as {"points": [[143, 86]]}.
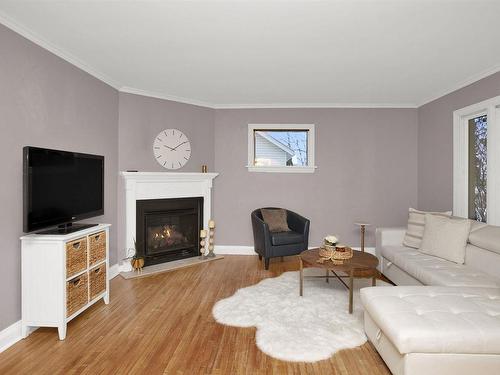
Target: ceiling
{"points": [[226, 54]]}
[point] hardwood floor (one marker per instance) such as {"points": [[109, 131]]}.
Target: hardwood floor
{"points": [[162, 324]]}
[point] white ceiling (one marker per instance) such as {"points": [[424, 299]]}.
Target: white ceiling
{"points": [[399, 53]]}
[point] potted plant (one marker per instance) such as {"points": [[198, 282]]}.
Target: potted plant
{"points": [[136, 261]]}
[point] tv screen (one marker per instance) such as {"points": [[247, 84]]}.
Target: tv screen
{"points": [[61, 187]]}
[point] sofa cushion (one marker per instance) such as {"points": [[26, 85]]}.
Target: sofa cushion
{"points": [[286, 238], [432, 270], [416, 225], [276, 219], [487, 237], [427, 319], [389, 252], [445, 238]]}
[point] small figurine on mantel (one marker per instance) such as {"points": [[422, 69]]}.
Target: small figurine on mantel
{"points": [[210, 241]]}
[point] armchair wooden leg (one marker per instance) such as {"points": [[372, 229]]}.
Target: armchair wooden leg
{"points": [[266, 263], [260, 257]]}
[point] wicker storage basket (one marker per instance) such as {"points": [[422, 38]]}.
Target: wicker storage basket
{"points": [[97, 247], [97, 281], [76, 256], [77, 294]]}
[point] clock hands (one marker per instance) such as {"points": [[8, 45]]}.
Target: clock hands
{"points": [[173, 149], [180, 144]]}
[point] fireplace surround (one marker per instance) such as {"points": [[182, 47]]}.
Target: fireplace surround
{"points": [[138, 186], [168, 229]]}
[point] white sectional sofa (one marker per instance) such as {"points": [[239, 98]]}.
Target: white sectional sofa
{"points": [[443, 317]]}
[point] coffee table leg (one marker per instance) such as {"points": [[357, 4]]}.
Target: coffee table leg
{"points": [[301, 277], [327, 278], [374, 280], [351, 289]]}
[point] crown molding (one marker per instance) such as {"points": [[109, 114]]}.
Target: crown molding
{"points": [[45, 44], [157, 95], [315, 105], [469, 81]]}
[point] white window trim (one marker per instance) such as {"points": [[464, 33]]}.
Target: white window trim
{"points": [[310, 168], [461, 117]]}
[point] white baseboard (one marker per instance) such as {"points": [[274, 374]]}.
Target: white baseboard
{"points": [[12, 334], [234, 250], [370, 250], [249, 250], [114, 270]]}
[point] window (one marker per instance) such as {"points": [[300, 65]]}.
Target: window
{"points": [[476, 162], [281, 148], [478, 158]]}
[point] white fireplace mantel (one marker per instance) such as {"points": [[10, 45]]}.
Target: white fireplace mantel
{"points": [[163, 185]]}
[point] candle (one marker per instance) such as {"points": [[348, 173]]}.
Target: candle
{"points": [[211, 224], [203, 233]]}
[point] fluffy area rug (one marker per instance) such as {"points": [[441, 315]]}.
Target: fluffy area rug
{"points": [[294, 328]]}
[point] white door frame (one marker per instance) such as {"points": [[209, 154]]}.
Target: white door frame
{"points": [[461, 118]]}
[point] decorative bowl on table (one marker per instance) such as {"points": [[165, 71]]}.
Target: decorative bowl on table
{"points": [[342, 252]]}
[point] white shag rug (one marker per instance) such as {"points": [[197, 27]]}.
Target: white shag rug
{"points": [[294, 328]]}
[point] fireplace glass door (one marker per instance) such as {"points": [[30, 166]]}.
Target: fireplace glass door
{"points": [[171, 231], [168, 229]]}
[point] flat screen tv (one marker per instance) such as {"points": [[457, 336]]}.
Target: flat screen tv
{"points": [[61, 187]]}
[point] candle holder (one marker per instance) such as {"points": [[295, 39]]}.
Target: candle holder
{"points": [[362, 228], [203, 236], [211, 235]]}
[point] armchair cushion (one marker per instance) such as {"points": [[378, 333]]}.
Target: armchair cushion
{"points": [[276, 219], [286, 238]]}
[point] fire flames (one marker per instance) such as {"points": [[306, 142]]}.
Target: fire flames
{"points": [[166, 236]]}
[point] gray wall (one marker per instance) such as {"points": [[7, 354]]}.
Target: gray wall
{"points": [[357, 178], [435, 142], [142, 118], [367, 162], [47, 102]]}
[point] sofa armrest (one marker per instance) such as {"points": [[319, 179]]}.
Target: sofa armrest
{"points": [[388, 237]]}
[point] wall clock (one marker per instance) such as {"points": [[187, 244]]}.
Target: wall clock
{"points": [[172, 149]]}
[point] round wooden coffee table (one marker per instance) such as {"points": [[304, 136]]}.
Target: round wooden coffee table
{"points": [[361, 265]]}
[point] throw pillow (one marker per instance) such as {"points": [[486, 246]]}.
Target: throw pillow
{"points": [[445, 238], [416, 226], [275, 219]]}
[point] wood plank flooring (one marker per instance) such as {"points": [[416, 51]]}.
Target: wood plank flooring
{"points": [[163, 325]]}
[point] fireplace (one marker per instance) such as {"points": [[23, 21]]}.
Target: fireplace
{"points": [[168, 229]]}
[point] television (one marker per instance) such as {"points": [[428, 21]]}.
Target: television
{"points": [[61, 187]]}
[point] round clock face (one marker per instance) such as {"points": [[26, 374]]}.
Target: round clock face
{"points": [[172, 149]]}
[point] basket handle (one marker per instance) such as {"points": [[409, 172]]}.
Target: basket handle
{"points": [[77, 281], [76, 245], [98, 270], [97, 237]]}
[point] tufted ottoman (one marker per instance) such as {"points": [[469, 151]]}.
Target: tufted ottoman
{"points": [[435, 330]]}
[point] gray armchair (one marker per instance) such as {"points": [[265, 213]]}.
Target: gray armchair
{"points": [[277, 244]]}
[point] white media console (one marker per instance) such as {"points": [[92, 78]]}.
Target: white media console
{"points": [[62, 275]]}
